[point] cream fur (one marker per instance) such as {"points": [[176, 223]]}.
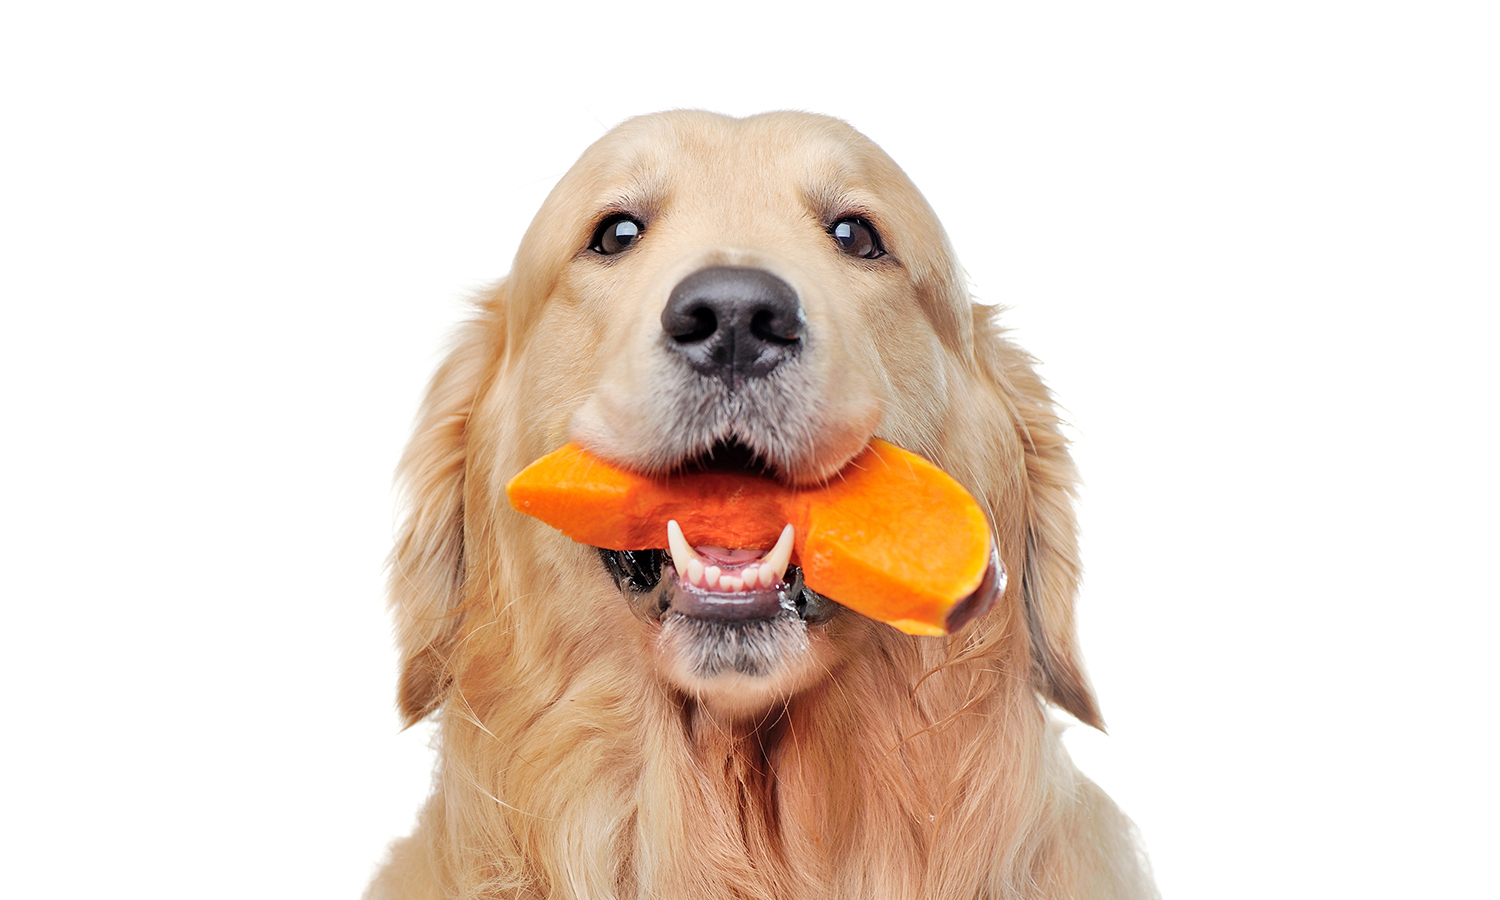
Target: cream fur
{"points": [[572, 763]]}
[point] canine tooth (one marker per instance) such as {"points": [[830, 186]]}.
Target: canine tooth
{"points": [[695, 571], [711, 576], [683, 553], [774, 563]]}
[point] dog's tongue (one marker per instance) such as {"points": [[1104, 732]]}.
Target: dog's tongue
{"points": [[729, 571], [892, 536], [729, 557]]}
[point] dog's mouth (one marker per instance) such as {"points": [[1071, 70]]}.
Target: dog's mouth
{"points": [[722, 585], [731, 456], [716, 584], [722, 613]]}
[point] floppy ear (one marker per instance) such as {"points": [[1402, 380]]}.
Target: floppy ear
{"points": [[1051, 570], [427, 565]]}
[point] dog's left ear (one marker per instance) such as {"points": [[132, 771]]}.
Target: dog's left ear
{"points": [[427, 565], [1051, 569]]}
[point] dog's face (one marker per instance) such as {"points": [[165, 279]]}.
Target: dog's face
{"points": [[704, 292], [761, 301]]}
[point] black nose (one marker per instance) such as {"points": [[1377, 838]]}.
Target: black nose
{"points": [[734, 322]]}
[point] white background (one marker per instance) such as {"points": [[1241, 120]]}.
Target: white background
{"points": [[1256, 247]]}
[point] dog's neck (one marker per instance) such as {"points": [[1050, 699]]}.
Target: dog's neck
{"points": [[860, 787]]}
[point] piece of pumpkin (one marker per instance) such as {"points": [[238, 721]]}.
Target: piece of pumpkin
{"points": [[891, 536]]}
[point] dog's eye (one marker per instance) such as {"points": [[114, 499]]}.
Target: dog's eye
{"points": [[615, 234], [857, 237]]}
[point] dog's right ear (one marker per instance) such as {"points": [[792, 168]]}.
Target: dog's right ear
{"points": [[427, 565]]}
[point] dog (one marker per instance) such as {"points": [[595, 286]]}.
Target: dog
{"points": [[764, 294]]}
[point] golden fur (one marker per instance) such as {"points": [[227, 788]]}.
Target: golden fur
{"points": [[574, 760]]}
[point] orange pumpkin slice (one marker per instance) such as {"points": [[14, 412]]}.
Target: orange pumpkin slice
{"points": [[892, 536]]}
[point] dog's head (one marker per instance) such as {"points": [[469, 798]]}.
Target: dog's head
{"points": [[762, 294]]}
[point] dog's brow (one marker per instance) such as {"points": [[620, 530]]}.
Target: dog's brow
{"points": [[830, 199], [641, 197], [638, 196]]}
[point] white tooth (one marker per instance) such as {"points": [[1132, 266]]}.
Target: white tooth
{"points": [[751, 576], [730, 583], [682, 552], [695, 571], [779, 557], [711, 576]]}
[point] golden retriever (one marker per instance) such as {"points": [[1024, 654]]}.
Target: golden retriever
{"points": [[766, 293]]}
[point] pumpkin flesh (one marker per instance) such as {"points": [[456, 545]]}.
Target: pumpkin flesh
{"points": [[891, 536]]}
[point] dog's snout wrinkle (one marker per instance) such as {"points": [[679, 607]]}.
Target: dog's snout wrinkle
{"points": [[734, 322]]}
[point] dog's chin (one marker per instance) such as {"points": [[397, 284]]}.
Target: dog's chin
{"points": [[737, 654], [736, 669], [748, 636]]}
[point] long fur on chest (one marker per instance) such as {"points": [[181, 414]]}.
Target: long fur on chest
{"points": [[898, 778]]}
